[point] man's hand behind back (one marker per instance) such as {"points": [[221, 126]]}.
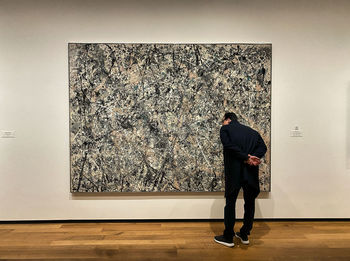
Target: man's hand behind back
{"points": [[253, 160]]}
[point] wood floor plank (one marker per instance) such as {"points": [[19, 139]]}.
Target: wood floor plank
{"points": [[165, 241]]}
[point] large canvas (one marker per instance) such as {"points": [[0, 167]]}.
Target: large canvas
{"points": [[146, 117]]}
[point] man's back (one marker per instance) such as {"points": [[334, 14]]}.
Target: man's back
{"points": [[240, 141], [248, 141]]}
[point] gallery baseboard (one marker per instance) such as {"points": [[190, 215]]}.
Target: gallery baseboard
{"points": [[170, 220]]}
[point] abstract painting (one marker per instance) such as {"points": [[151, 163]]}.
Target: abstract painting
{"points": [[146, 117]]}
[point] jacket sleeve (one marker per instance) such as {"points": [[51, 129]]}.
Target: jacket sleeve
{"points": [[226, 142], [260, 147]]}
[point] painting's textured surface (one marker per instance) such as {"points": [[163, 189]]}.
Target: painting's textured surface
{"points": [[146, 117]]}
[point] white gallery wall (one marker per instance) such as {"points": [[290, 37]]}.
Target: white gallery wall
{"points": [[310, 89]]}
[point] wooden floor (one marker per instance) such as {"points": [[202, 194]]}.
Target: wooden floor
{"points": [[173, 241]]}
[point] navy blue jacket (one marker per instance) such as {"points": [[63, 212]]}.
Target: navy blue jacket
{"points": [[238, 141]]}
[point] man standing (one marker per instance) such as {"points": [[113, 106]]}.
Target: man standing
{"points": [[243, 149]]}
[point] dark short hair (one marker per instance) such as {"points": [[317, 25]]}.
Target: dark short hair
{"points": [[230, 115]]}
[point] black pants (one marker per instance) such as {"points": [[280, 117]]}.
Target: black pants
{"points": [[249, 194]]}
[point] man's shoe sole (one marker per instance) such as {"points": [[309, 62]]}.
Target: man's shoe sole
{"points": [[244, 242], [224, 243]]}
